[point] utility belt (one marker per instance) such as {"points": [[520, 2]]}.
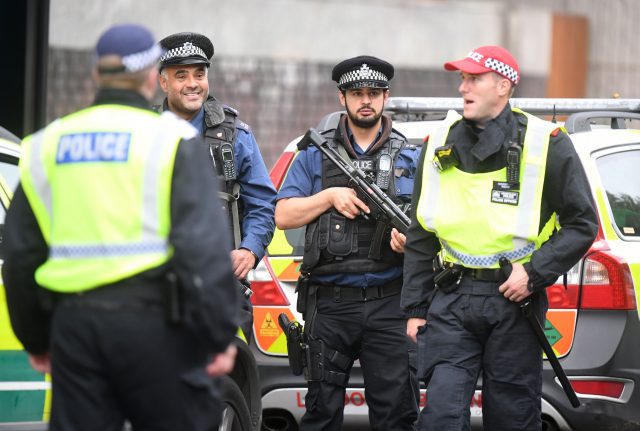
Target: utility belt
{"points": [[369, 293], [449, 275]]}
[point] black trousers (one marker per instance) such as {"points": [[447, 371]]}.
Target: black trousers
{"points": [[476, 329], [115, 363], [374, 332]]}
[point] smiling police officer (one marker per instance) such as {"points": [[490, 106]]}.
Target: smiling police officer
{"points": [[247, 193], [352, 265]]}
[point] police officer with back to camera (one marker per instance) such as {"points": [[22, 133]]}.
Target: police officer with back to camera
{"points": [[491, 188], [247, 192], [115, 282], [352, 266]]}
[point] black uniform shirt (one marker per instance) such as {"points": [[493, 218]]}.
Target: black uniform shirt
{"points": [[565, 192], [201, 256]]}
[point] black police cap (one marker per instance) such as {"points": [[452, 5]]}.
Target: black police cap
{"points": [[186, 48], [362, 71]]}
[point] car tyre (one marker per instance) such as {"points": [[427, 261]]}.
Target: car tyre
{"points": [[235, 416]]}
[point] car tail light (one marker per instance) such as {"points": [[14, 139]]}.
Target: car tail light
{"points": [[606, 283], [279, 170], [603, 388], [265, 285], [561, 297]]}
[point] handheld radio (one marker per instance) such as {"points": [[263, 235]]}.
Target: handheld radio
{"points": [[384, 171], [228, 164]]}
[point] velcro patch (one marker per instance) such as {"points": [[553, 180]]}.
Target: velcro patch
{"points": [[505, 197]]}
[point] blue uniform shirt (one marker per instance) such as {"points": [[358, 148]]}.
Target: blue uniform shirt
{"points": [[304, 179], [257, 192]]}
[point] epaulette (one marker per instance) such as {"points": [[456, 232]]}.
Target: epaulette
{"points": [[242, 125], [231, 110], [239, 124]]}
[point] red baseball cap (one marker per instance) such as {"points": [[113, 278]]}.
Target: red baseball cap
{"points": [[488, 59]]}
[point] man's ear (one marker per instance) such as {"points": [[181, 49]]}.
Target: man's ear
{"points": [[505, 87], [341, 97], [95, 75], [164, 84]]}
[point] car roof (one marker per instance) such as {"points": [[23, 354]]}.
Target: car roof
{"points": [[416, 117]]}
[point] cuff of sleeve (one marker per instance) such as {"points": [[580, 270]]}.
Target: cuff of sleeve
{"points": [[535, 281], [420, 312], [258, 258]]}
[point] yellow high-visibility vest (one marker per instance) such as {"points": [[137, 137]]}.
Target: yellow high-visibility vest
{"points": [[99, 184], [476, 224]]}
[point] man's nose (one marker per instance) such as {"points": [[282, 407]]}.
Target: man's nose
{"points": [[462, 88], [191, 81]]}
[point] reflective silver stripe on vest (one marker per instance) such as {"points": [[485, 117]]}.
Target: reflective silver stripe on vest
{"points": [[490, 259], [88, 251], [38, 175], [535, 141], [436, 139], [151, 184]]}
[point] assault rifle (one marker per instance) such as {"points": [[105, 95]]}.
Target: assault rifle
{"points": [[383, 207]]}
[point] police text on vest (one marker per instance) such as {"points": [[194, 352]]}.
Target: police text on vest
{"points": [[93, 147]]}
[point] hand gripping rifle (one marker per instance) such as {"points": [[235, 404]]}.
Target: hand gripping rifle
{"points": [[527, 309], [383, 207]]}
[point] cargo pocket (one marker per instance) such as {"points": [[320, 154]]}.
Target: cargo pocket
{"points": [[422, 367], [341, 235]]}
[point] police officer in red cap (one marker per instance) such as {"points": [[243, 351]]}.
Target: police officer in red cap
{"points": [[108, 220], [352, 265], [483, 238], [248, 195]]}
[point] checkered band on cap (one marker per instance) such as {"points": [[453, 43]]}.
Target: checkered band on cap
{"points": [[365, 73], [141, 60], [503, 69], [186, 50]]}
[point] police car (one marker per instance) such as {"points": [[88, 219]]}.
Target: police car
{"points": [[25, 396], [592, 324]]}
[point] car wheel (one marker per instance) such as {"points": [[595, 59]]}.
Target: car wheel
{"points": [[235, 416]]}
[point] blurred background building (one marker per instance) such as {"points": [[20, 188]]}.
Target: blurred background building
{"points": [[273, 58]]}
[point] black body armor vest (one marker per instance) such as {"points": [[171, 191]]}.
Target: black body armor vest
{"points": [[221, 128], [220, 140], [336, 244]]}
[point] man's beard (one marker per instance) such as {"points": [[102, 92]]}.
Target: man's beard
{"points": [[364, 123]]}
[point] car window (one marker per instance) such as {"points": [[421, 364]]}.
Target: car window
{"points": [[621, 179]]}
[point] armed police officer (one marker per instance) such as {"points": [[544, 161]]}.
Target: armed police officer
{"points": [[247, 193], [489, 192], [115, 282], [352, 267]]}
